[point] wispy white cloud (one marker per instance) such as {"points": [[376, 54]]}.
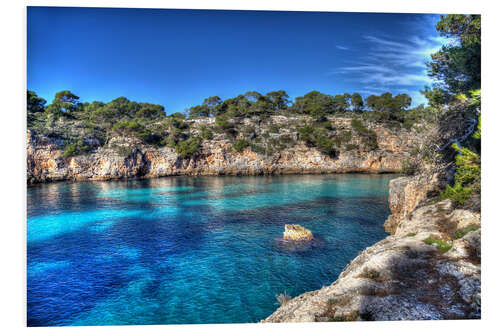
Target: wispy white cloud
{"points": [[384, 42], [344, 48], [389, 64], [367, 68]]}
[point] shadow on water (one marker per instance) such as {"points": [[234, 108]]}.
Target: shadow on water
{"points": [[226, 259]]}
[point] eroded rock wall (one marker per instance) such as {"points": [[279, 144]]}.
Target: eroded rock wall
{"points": [[405, 193], [216, 157]]}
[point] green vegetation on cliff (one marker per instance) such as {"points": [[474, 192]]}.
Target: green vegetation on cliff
{"points": [[457, 69], [252, 117], [249, 118]]}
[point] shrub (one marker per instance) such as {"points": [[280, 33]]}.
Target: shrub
{"points": [[457, 194], [408, 124], [332, 301], [337, 141], [468, 166], [258, 149], [206, 134], [326, 125], [240, 145], [222, 123], [170, 142], [316, 137], [283, 298], [188, 147], [394, 125], [370, 274], [462, 232], [306, 133], [248, 130], [346, 136], [127, 127], [274, 129], [350, 147], [155, 139], [131, 127], [124, 151], [358, 126], [176, 121], [70, 150], [442, 246], [325, 145], [75, 148], [370, 140], [276, 144], [369, 137]]}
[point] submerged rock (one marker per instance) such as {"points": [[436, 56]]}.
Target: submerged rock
{"points": [[296, 232]]}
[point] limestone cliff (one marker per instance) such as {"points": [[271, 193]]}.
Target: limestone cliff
{"points": [[45, 160]]}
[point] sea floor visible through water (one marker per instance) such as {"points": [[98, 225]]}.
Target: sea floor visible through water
{"points": [[186, 250]]}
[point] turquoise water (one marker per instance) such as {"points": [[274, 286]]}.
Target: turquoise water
{"points": [[191, 249]]}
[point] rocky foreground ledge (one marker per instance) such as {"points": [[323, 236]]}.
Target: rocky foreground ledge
{"points": [[429, 268]]}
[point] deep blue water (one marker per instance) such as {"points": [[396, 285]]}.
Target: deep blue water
{"points": [[191, 249]]}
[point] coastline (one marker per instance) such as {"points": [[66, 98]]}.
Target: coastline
{"points": [[372, 287], [46, 161], [409, 275]]}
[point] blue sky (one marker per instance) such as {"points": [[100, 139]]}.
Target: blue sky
{"points": [[177, 58]]}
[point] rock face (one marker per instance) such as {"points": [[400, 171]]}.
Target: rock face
{"points": [[405, 276], [215, 157], [295, 232], [405, 193]]}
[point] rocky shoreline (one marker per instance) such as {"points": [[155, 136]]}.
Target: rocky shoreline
{"points": [[428, 268], [46, 161]]}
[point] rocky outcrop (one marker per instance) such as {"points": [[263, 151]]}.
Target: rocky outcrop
{"points": [[125, 158], [295, 232], [405, 193], [429, 268]]}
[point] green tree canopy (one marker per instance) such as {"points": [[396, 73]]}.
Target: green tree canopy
{"points": [[341, 102], [211, 103], [34, 103], [64, 102], [387, 103], [199, 111], [151, 111], [315, 104], [279, 99], [457, 65], [357, 102]]}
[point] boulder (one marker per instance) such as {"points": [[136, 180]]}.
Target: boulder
{"points": [[296, 232]]}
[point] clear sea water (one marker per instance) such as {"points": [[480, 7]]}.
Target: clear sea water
{"points": [[191, 249]]}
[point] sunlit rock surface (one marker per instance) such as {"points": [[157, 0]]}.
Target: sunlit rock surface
{"points": [[126, 157], [295, 232]]}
